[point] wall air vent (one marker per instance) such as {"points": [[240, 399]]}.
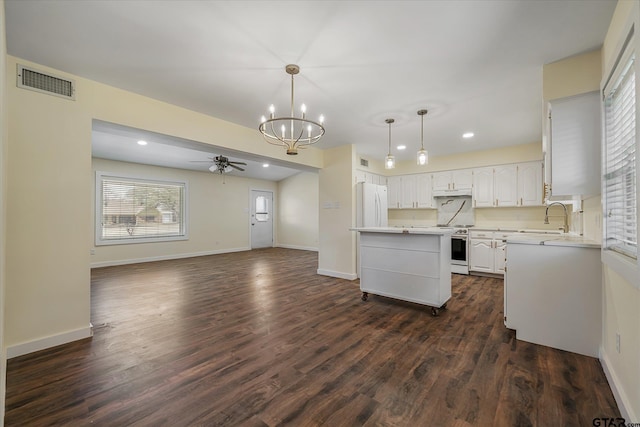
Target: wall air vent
{"points": [[364, 162], [45, 83]]}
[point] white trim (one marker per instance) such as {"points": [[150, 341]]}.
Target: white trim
{"points": [[624, 405], [338, 274], [302, 248], [99, 241], [165, 257], [48, 342]]}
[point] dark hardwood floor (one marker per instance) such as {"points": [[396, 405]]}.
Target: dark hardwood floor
{"points": [[258, 339]]}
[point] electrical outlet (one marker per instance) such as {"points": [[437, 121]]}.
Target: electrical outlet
{"points": [[618, 342]]}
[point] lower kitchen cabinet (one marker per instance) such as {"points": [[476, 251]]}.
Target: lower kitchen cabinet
{"points": [[553, 296], [487, 251]]}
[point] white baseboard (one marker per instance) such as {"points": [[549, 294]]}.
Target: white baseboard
{"points": [[302, 248], [624, 405], [338, 274], [48, 342], [165, 257]]}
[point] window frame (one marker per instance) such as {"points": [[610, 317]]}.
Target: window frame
{"points": [[624, 265], [99, 203]]}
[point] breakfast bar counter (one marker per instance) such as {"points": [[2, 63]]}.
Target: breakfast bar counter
{"points": [[410, 264]]}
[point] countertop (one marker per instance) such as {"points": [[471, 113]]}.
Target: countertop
{"points": [[441, 231], [553, 240]]}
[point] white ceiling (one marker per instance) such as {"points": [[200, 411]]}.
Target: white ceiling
{"points": [[475, 65]]}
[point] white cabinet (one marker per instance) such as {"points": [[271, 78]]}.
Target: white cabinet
{"points": [[453, 180], [530, 184], [394, 192], [573, 155], [483, 187], [505, 185], [487, 251], [424, 196], [410, 191], [370, 178], [518, 184], [553, 296]]}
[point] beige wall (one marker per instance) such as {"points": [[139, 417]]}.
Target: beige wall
{"points": [[3, 156], [50, 183], [337, 245], [621, 311], [473, 159], [218, 214], [298, 211], [572, 76]]}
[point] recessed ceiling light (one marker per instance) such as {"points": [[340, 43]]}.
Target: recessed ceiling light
{"points": [[141, 142], [265, 165], [401, 147], [467, 135]]}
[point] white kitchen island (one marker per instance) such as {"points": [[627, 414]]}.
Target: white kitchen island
{"points": [[410, 264]]}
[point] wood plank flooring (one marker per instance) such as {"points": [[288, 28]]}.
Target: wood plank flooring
{"points": [[258, 339]]}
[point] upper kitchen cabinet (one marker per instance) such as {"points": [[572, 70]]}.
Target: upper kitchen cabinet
{"points": [[410, 191], [461, 179], [483, 187], [370, 178], [518, 184], [394, 192], [572, 157], [530, 184]]}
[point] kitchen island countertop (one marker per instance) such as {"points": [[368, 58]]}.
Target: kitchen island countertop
{"points": [[405, 230]]}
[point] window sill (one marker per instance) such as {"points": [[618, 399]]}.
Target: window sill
{"points": [[134, 241]]}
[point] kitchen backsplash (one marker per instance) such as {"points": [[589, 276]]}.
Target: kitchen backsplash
{"points": [[504, 218], [455, 211]]}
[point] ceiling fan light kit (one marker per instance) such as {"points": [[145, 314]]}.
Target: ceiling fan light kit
{"points": [[291, 132]]}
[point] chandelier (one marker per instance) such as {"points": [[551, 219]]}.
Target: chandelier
{"points": [[291, 132], [389, 161], [423, 155]]}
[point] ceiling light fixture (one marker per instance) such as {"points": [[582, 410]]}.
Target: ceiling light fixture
{"points": [[291, 132], [265, 165], [423, 155], [389, 161], [467, 135], [401, 147], [141, 142]]}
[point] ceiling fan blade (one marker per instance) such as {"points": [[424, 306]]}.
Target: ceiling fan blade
{"points": [[237, 163], [236, 167]]}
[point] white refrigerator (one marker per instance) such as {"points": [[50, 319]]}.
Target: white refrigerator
{"points": [[371, 205]]}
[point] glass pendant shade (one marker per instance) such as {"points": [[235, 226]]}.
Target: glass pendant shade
{"points": [[389, 161], [423, 157]]}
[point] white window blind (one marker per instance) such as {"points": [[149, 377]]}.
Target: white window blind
{"points": [[619, 191], [136, 210]]}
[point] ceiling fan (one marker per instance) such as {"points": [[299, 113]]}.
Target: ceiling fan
{"points": [[222, 164]]}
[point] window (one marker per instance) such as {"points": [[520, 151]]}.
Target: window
{"points": [[619, 168], [262, 209], [134, 210]]}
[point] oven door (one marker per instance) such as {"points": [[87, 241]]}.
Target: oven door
{"points": [[459, 250]]}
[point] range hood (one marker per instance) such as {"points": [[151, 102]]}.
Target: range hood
{"points": [[449, 193]]}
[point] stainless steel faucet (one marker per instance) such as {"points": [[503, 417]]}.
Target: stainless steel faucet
{"points": [[565, 226]]}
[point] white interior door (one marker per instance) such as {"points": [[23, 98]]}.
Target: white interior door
{"points": [[261, 219]]}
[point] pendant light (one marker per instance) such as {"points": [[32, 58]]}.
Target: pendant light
{"points": [[423, 155], [389, 161]]}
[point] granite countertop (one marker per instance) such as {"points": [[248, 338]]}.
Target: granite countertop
{"points": [[553, 240], [402, 230]]}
